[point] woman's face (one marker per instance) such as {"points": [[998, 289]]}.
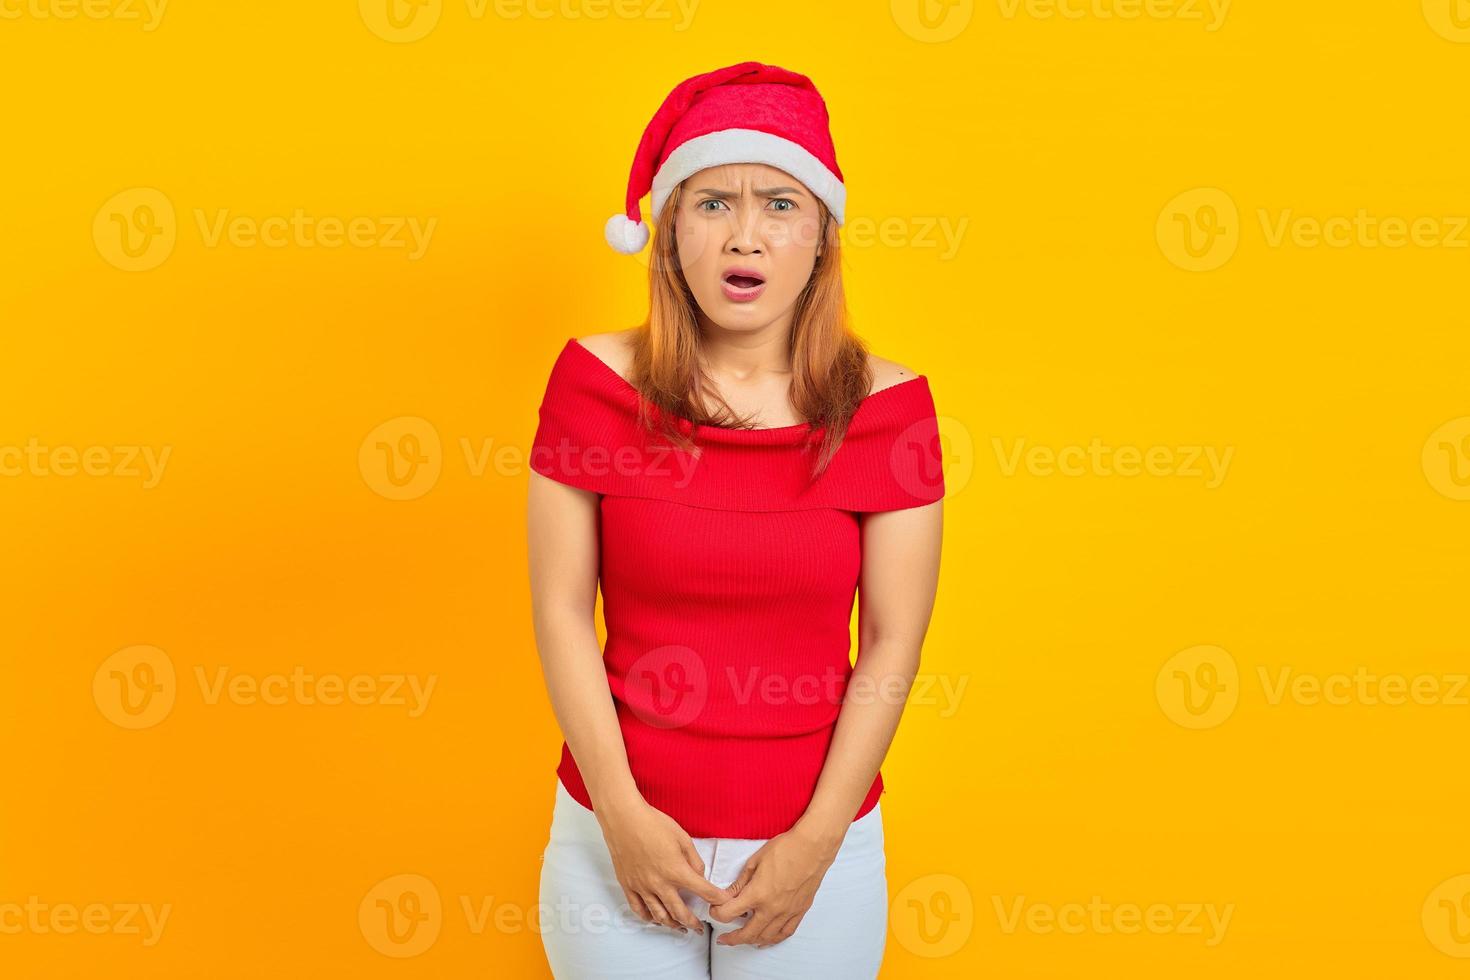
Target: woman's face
{"points": [[751, 218]]}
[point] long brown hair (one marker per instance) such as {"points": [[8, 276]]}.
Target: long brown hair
{"points": [[830, 376]]}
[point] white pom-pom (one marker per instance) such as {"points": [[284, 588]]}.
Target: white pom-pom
{"points": [[626, 235]]}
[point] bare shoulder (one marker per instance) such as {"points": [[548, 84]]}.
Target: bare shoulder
{"points": [[611, 348], [888, 373]]}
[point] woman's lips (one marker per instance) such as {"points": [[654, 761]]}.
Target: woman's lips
{"points": [[742, 289]]}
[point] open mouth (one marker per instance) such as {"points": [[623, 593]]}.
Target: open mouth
{"points": [[743, 281], [742, 285]]}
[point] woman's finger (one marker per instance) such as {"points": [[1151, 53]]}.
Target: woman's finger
{"points": [[638, 906], [771, 933], [691, 854], [745, 895], [705, 888], [660, 914], [788, 928], [735, 907], [748, 932], [742, 879], [678, 910]]}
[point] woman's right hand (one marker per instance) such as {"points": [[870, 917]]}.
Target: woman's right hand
{"points": [[654, 858]]}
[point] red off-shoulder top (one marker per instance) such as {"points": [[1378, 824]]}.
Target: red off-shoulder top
{"points": [[728, 580]]}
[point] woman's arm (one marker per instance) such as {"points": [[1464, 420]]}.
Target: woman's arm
{"points": [[561, 524], [651, 853], [899, 578], [896, 589]]}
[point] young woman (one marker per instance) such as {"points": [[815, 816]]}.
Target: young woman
{"points": [[731, 472]]}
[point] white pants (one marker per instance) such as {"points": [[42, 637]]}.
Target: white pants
{"points": [[590, 933]]}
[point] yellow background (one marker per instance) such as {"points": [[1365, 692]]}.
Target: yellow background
{"points": [[1054, 150]]}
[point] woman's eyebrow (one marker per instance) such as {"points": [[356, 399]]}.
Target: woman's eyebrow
{"points": [[759, 191]]}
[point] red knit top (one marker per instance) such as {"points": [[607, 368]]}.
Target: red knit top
{"points": [[728, 582]]}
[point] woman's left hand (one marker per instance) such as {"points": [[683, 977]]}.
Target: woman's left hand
{"points": [[778, 882]]}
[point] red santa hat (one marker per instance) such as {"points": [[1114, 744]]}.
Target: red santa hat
{"points": [[746, 113]]}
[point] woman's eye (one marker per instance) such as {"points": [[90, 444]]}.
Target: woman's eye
{"points": [[785, 200], [711, 201]]}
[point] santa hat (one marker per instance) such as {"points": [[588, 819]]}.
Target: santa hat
{"points": [[746, 113]]}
